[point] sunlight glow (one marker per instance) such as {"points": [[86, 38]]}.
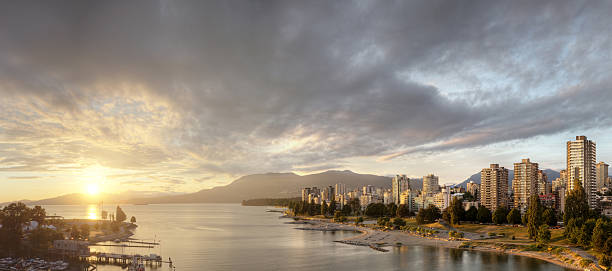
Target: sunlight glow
{"points": [[92, 212], [93, 189]]}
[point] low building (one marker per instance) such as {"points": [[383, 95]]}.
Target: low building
{"points": [[71, 247]]}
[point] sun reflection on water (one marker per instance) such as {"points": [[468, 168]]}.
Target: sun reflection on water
{"points": [[92, 212]]}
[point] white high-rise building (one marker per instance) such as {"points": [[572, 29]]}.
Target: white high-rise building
{"points": [[581, 157], [399, 184], [430, 185]]}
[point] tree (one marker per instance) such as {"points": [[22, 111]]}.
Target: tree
{"points": [[403, 210], [74, 232], [399, 222], [467, 196], [576, 205], [13, 218], [332, 207], [514, 217], [484, 215], [133, 220], [456, 211], [600, 235], [499, 216], [84, 231], [323, 210], [549, 217], [104, 215], [471, 214], [375, 210], [428, 215], [543, 235], [359, 220], [391, 209], [534, 216], [42, 238], [38, 214], [355, 205]]}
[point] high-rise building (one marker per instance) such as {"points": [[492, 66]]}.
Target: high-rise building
{"points": [[601, 175], [494, 187], [525, 183], [340, 189], [581, 157], [408, 198], [544, 187], [473, 188], [430, 185], [399, 184], [305, 193]]}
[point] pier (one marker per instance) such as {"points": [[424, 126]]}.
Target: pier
{"points": [[122, 259]]}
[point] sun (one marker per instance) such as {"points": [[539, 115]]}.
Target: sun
{"points": [[93, 189]]}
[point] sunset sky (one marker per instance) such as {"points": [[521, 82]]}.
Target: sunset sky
{"points": [[178, 96]]}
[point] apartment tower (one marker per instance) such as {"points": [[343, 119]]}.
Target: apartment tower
{"points": [[525, 183], [581, 157], [494, 187]]}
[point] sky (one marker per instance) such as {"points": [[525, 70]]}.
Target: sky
{"points": [[178, 96]]}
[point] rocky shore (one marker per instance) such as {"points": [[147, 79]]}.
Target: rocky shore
{"points": [[378, 239]]}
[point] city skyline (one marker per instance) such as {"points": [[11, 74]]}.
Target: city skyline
{"points": [[193, 95]]}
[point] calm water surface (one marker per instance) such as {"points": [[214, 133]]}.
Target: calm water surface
{"points": [[234, 237]]}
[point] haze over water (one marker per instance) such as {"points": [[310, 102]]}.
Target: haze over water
{"points": [[234, 237]]}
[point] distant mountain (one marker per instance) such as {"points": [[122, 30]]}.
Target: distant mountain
{"points": [[551, 174], [272, 185], [82, 199]]}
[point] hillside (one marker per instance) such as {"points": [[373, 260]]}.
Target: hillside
{"points": [[272, 185]]}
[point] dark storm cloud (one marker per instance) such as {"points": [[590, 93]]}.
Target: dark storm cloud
{"points": [[249, 78]]}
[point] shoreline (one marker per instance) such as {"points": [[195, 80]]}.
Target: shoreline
{"points": [[378, 239]]}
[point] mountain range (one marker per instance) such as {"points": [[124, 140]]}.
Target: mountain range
{"points": [[268, 185]]}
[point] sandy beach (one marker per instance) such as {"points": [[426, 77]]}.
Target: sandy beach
{"points": [[378, 239]]}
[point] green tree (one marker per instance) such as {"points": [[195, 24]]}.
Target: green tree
{"points": [[403, 210], [13, 217], [514, 217], [484, 215], [359, 220], [120, 215], [133, 220], [499, 216], [428, 215], [398, 221], [332, 207], [472, 214], [576, 205], [549, 217], [543, 235], [456, 211], [323, 210], [391, 209], [355, 205], [375, 210], [600, 235], [534, 216], [38, 214]]}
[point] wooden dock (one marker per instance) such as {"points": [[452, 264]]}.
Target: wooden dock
{"points": [[122, 259]]}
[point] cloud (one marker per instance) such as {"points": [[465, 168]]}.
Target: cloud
{"points": [[194, 89]]}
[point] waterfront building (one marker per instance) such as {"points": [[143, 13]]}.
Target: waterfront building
{"points": [[494, 187], [399, 184], [525, 183], [408, 198], [581, 157], [430, 185], [442, 199], [601, 175]]}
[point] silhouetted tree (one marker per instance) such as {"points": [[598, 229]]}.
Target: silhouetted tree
{"points": [[120, 215]]}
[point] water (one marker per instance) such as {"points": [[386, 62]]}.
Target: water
{"points": [[234, 237]]}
